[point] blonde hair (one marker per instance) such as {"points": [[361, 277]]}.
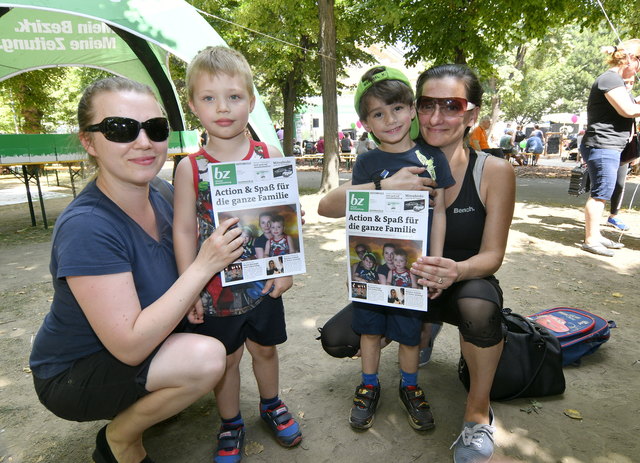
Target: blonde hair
{"points": [[219, 60], [619, 55]]}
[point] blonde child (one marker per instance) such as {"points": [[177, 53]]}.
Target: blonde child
{"points": [[220, 87]]}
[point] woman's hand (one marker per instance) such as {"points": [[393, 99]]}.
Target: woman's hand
{"points": [[223, 247], [437, 273], [276, 287]]}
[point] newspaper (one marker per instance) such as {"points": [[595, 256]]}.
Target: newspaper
{"points": [[263, 194], [386, 232]]}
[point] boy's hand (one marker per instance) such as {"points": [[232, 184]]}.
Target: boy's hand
{"points": [[196, 314], [276, 287], [407, 178]]}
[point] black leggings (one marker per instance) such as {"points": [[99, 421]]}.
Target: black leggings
{"points": [[618, 191], [472, 305]]}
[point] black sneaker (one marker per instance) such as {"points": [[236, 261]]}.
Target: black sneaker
{"points": [[418, 408], [364, 407]]}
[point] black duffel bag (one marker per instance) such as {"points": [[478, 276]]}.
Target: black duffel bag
{"points": [[530, 365]]}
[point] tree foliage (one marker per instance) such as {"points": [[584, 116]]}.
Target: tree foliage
{"points": [[475, 32], [280, 39], [45, 100], [555, 75]]}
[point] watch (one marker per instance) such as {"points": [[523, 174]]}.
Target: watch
{"points": [[376, 181]]}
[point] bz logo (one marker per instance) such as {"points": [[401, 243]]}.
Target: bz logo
{"points": [[221, 174], [359, 201], [355, 201]]}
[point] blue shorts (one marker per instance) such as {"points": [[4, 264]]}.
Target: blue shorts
{"points": [[264, 324], [401, 325], [603, 164]]}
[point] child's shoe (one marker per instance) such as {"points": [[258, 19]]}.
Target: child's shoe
{"points": [[420, 416], [364, 407], [230, 443], [285, 428]]}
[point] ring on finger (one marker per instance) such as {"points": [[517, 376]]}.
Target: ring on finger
{"points": [[440, 281]]}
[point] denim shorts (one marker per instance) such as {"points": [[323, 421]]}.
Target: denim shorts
{"points": [[603, 164], [400, 325]]}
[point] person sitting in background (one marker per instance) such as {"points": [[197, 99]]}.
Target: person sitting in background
{"points": [[534, 147], [478, 140], [507, 144]]}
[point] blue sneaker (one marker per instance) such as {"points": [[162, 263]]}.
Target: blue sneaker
{"points": [[285, 428], [475, 442], [230, 444], [617, 223]]}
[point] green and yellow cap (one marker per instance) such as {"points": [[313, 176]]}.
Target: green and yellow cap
{"points": [[388, 74]]}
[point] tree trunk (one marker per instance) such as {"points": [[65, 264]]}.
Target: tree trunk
{"points": [[495, 106], [30, 115], [331, 163], [289, 98]]}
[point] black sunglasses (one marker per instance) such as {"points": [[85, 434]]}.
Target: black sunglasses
{"points": [[125, 130]]}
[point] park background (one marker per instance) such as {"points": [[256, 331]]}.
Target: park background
{"points": [[535, 58]]}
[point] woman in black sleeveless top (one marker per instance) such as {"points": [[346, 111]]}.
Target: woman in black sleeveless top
{"points": [[478, 220]]}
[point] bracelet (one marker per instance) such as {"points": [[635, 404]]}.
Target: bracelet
{"points": [[376, 182]]}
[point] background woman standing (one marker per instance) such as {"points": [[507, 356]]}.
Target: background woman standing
{"points": [[610, 114]]}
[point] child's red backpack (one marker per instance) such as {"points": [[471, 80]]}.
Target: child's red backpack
{"points": [[579, 332]]}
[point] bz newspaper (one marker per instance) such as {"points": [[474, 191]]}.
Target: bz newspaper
{"points": [[386, 232], [263, 194]]}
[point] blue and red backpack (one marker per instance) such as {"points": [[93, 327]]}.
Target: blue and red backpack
{"points": [[580, 332]]}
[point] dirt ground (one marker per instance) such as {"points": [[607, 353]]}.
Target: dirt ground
{"points": [[543, 268]]}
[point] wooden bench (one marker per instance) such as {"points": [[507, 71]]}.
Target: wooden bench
{"points": [[75, 169]]}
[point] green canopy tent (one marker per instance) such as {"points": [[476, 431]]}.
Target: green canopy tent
{"points": [[131, 38], [126, 37]]}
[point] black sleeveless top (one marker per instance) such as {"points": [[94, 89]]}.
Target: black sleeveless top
{"points": [[465, 219]]}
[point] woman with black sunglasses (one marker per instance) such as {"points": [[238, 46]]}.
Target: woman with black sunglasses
{"points": [[110, 347]]}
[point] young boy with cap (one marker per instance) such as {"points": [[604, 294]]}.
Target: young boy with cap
{"points": [[384, 102]]}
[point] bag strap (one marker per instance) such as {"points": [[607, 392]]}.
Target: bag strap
{"points": [[539, 367]]}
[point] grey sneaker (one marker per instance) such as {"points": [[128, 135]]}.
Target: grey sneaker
{"points": [[475, 442], [425, 352]]}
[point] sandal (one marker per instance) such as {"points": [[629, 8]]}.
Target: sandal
{"points": [[599, 249]]}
